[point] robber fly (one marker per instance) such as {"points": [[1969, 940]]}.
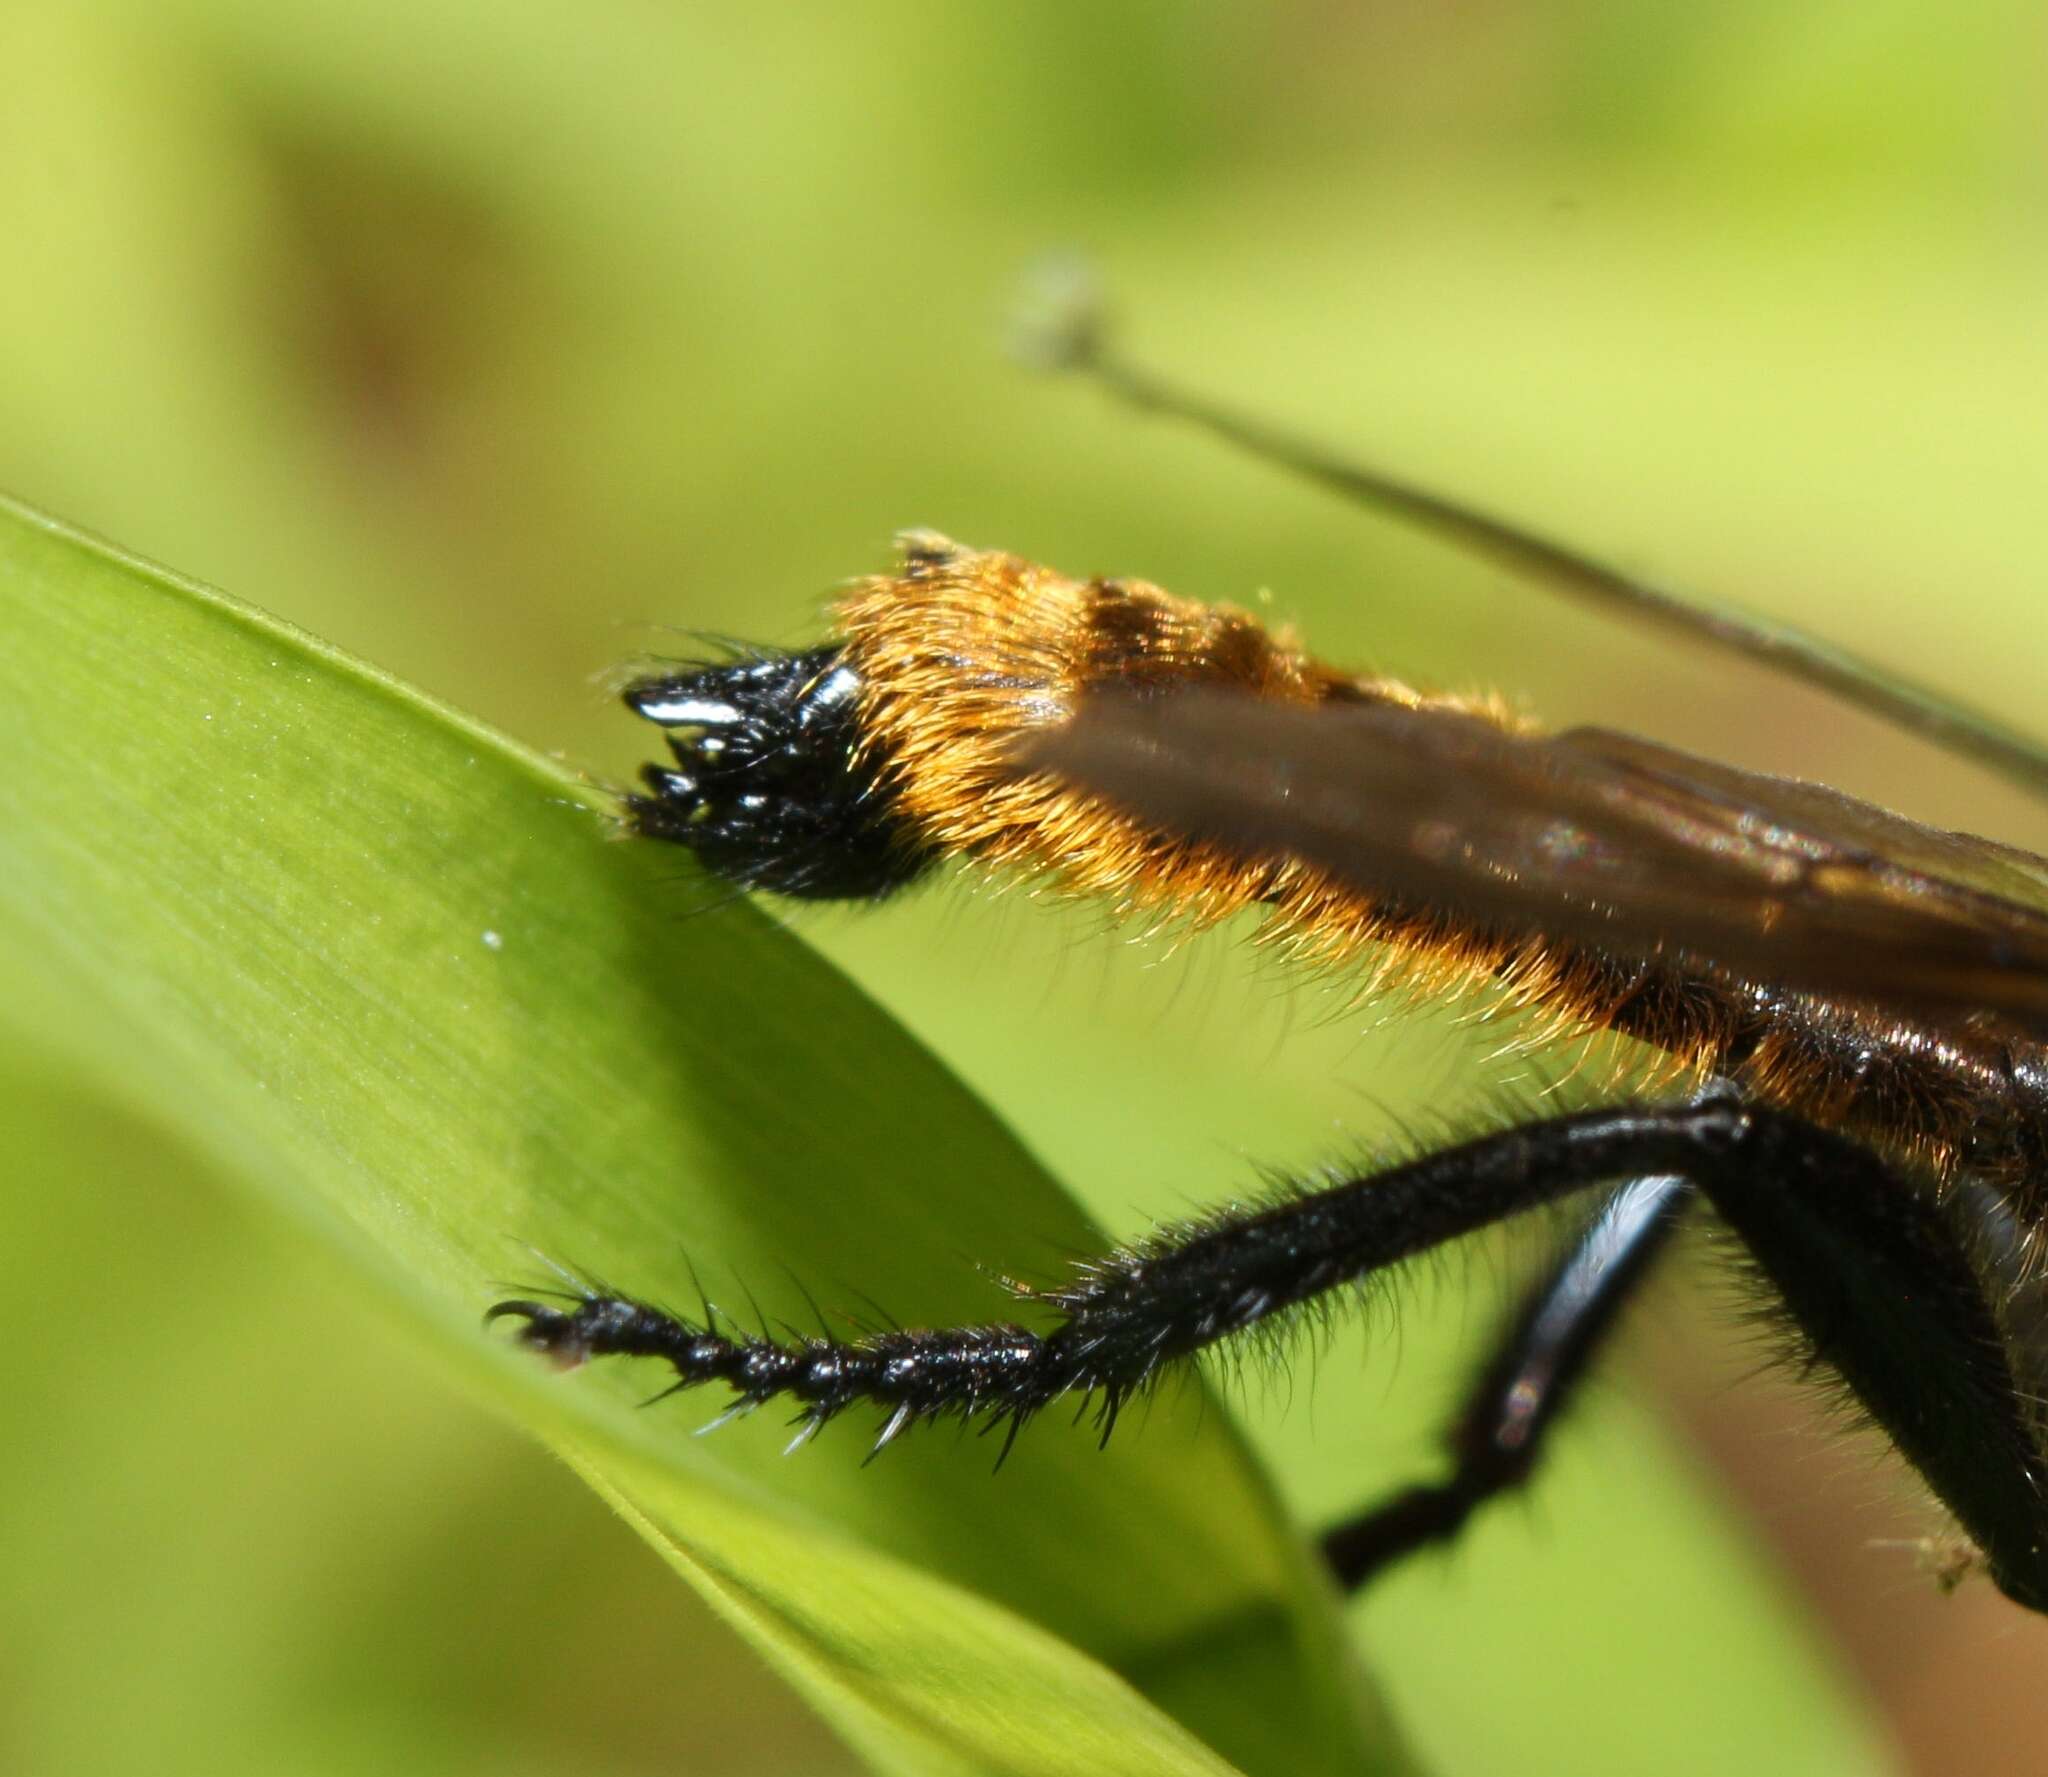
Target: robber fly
{"points": [[1853, 1007]]}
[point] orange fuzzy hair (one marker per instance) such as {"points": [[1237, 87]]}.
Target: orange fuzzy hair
{"points": [[966, 653]]}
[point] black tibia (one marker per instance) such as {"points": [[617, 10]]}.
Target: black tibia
{"points": [[1136, 1310], [1498, 1439], [1872, 1273], [770, 787]]}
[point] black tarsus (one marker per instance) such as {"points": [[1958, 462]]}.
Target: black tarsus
{"points": [[1871, 1269], [1499, 1436]]}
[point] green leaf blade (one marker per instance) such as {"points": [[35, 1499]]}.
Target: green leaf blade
{"points": [[386, 969]]}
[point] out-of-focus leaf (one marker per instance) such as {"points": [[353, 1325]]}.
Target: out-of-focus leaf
{"points": [[383, 967]]}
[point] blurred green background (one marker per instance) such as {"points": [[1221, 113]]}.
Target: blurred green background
{"points": [[489, 340]]}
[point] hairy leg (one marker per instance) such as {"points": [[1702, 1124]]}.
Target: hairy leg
{"points": [[1127, 1315], [1868, 1265]]}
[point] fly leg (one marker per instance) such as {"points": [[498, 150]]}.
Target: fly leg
{"points": [[1875, 1272], [1498, 1438], [1126, 1316]]}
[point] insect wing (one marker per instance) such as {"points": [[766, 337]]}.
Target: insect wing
{"points": [[1587, 837]]}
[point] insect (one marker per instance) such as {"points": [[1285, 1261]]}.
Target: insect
{"points": [[1853, 1007]]}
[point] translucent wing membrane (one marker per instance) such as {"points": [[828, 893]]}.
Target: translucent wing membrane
{"points": [[1588, 837]]}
